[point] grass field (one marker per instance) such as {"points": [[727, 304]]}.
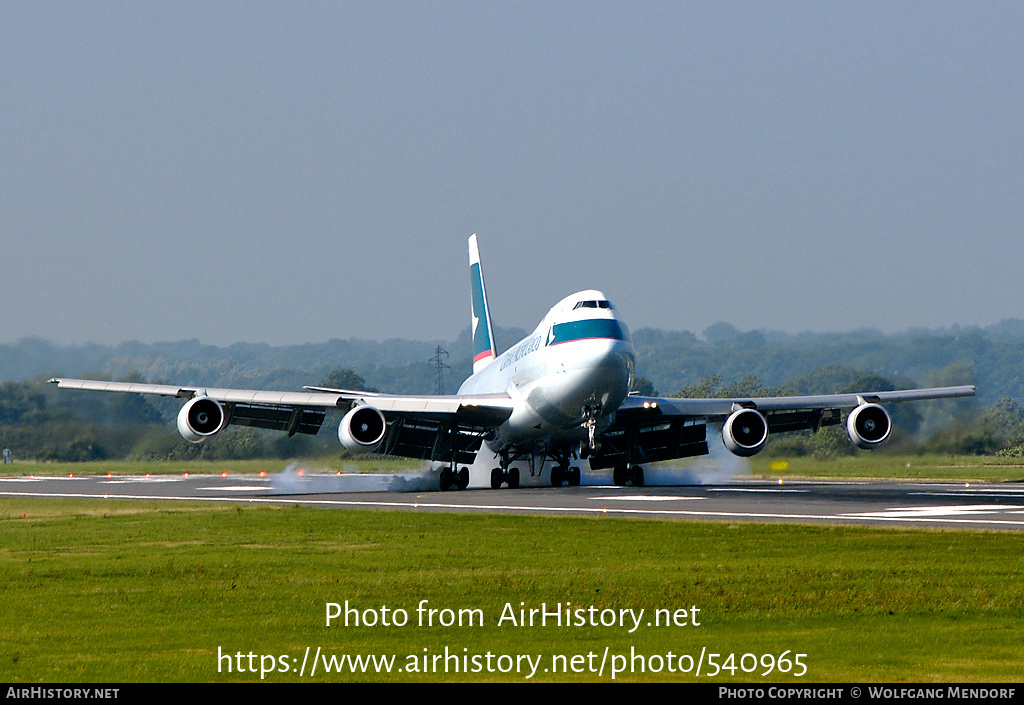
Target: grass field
{"points": [[884, 466], [98, 591]]}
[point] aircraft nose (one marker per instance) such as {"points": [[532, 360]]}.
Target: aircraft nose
{"points": [[604, 372]]}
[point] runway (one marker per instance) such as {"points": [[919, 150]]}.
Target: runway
{"points": [[902, 503]]}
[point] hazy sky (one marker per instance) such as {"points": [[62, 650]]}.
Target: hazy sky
{"points": [[295, 172]]}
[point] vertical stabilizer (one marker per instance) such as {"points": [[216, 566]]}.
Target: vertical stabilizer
{"points": [[483, 335]]}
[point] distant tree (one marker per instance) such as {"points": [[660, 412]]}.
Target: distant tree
{"points": [[706, 388], [644, 387], [135, 409], [711, 387], [827, 379], [19, 402], [720, 332], [345, 379], [998, 429]]}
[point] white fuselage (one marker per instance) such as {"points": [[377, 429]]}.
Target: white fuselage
{"points": [[579, 356]]}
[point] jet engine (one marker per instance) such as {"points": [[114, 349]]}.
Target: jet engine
{"points": [[362, 429], [200, 419], [868, 426], [745, 432]]}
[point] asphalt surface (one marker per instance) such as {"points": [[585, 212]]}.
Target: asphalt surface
{"points": [[958, 505]]}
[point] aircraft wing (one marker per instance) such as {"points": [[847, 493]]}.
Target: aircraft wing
{"points": [[233, 396], [490, 409], [717, 409], [418, 426], [650, 429]]}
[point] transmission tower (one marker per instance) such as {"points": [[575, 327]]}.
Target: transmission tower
{"points": [[439, 368]]}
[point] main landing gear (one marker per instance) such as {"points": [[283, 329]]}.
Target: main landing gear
{"points": [[564, 473], [623, 474], [451, 478], [561, 472], [502, 476]]}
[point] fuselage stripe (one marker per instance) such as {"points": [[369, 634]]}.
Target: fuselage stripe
{"points": [[587, 329], [577, 340]]}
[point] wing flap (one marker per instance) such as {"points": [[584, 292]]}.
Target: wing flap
{"points": [[650, 442], [277, 418], [720, 408], [431, 439]]}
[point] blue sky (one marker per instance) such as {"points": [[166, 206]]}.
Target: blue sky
{"points": [[295, 172]]}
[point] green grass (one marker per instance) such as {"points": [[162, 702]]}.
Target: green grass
{"points": [[104, 591], [883, 466]]}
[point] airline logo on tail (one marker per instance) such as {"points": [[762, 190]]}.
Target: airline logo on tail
{"points": [[483, 335]]}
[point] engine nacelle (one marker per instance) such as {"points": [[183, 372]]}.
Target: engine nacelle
{"points": [[745, 432], [868, 426], [200, 419], [362, 429]]}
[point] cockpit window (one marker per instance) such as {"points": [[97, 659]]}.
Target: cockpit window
{"points": [[593, 304]]}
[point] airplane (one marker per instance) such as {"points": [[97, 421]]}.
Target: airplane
{"points": [[560, 395]]}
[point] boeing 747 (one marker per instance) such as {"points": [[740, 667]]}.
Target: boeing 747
{"points": [[559, 396]]}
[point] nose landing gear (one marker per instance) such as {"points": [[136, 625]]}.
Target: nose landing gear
{"points": [[591, 413]]}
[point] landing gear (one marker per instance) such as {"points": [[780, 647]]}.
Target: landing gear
{"points": [[557, 475], [634, 474], [504, 475], [450, 478], [561, 473], [591, 413]]}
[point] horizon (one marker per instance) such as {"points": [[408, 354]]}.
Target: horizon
{"points": [[464, 334]]}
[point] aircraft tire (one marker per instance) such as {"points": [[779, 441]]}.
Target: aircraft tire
{"points": [[574, 477], [638, 476], [497, 478], [619, 475], [557, 476], [446, 479], [513, 478], [463, 478]]}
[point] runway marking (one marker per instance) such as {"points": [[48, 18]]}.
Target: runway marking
{"points": [[141, 480], [868, 517], [1013, 494], [948, 511], [236, 488], [644, 498], [772, 490]]}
